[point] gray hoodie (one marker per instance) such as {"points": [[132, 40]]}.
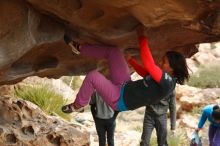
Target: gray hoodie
{"points": [[103, 111], [163, 106]]}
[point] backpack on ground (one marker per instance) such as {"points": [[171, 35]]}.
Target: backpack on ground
{"points": [[195, 140]]}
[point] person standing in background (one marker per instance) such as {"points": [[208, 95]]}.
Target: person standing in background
{"points": [[212, 113], [104, 118], [156, 117]]}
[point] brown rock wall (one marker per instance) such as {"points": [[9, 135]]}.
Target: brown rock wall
{"points": [[31, 31]]}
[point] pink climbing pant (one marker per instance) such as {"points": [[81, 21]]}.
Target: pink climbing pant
{"points": [[109, 90]]}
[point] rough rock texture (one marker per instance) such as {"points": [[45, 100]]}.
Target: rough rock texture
{"points": [[209, 54], [24, 124], [195, 97], [31, 31]]}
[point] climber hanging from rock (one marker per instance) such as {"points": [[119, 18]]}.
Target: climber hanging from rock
{"points": [[120, 93]]}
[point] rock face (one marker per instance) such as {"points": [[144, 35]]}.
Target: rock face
{"points": [[31, 31], [22, 123], [191, 97]]}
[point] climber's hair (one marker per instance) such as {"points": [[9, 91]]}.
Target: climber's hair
{"points": [[178, 63]]}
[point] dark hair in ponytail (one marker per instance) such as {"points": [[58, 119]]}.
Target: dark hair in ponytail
{"points": [[215, 107], [178, 63], [216, 112]]}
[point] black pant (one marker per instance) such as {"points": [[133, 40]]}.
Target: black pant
{"points": [[159, 122], [105, 128]]}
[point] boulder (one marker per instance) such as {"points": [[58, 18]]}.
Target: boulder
{"points": [[206, 56], [202, 58], [23, 123], [190, 97]]}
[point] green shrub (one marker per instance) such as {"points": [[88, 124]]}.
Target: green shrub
{"points": [[196, 111], [206, 77], [138, 128], [179, 139], [213, 45], [44, 97], [153, 140]]}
